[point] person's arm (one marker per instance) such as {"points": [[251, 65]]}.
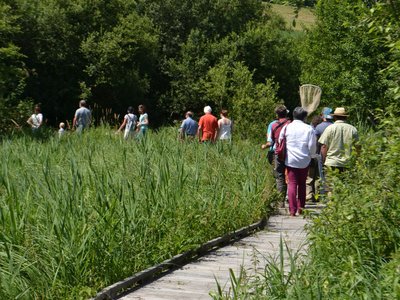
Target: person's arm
{"points": [[145, 120], [90, 118], [219, 124], [324, 141], [216, 132], [268, 144], [182, 130], [134, 122], [200, 129], [312, 144], [29, 121], [199, 133], [74, 122], [123, 124], [324, 151]]}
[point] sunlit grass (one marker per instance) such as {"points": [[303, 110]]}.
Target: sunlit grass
{"points": [[80, 213], [305, 19]]}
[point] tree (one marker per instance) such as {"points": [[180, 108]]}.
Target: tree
{"points": [[384, 29], [51, 37], [12, 73], [121, 62], [265, 48], [251, 104], [339, 56], [270, 51]]}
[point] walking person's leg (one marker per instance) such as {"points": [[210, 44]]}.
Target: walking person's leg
{"points": [[292, 190], [279, 173], [311, 181], [301, 177]]}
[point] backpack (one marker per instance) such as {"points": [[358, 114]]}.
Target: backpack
{"points": [[130, 126], [280, 149], [277, 130]]}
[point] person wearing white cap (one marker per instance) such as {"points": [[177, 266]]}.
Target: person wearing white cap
{"points": [[337, 141], [208, 126]]}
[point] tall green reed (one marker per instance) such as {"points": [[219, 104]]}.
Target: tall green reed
{"points": [[82, 212]]}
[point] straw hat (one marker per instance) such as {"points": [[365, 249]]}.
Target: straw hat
{"points": [[340, 111]]}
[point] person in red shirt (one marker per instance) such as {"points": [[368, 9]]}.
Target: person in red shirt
{"points": [[208, 126]]}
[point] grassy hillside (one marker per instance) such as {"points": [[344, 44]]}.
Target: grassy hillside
{"points": [[305, 19]]}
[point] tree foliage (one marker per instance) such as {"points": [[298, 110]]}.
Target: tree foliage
{"points": [[384, 28], [342, 57], [121, 61], [12, 71], [169, 54], [118, 53]]}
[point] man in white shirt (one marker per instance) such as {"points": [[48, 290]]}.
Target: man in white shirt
{"points": [[82, 118], [300, 148]]}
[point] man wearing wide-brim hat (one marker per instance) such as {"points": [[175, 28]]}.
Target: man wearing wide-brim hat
{"points": [[337, 141]]}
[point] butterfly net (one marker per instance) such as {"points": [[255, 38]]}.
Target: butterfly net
{"points": [[310, 96]]}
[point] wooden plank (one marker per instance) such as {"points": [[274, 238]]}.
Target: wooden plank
{"points": [[112, 291], [251, 253]]}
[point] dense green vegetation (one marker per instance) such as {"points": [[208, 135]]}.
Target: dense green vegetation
{"points": [[353, 250], [171, 55], [177, 55], [83, 212]]}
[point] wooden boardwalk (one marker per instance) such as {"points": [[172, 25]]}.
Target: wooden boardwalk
{"points": [[197, 279]]}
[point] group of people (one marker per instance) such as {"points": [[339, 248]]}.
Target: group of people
{"points": [[310, 151], [320, 148], [209, 129], [83, 118], [134, 126]]}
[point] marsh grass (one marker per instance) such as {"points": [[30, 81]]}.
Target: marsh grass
{"points": [[80, 213], [354, 243]]}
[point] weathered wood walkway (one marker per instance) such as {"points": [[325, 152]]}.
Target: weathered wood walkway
{"points": [[197, 279]]}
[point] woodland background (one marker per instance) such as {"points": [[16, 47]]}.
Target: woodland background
{"points": [[175, 55]]}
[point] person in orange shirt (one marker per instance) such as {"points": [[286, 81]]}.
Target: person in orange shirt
{"points": [[208, 126]]}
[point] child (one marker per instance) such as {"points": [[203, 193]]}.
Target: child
{"points": [[61, 131], [129, 123]]}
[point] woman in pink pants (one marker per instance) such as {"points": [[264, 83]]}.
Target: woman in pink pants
{"points": [[300, 147]]}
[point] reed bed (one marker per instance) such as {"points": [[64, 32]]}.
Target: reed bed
{"points": [[80, 213]]}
